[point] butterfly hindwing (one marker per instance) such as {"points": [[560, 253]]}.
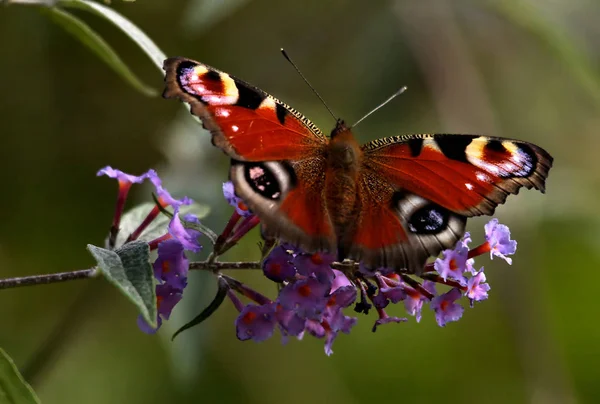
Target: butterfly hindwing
{"points": [[246, 123], [289, 198], [467, 174], [399, 229]]}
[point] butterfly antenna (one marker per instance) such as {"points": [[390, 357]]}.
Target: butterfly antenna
{"points": [[285, 55], [397, 93]]}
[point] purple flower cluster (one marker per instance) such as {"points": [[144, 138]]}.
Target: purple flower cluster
{"points": [[313, 289], [313, 294], [171, 266], [311, 300]]}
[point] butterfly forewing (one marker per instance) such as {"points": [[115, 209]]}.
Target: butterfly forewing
{"points": [[246, 123], [467, 174]]}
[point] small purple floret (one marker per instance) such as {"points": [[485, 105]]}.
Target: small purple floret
{"points": [[171, 266], [445, 308], [234, 200], [339, 280], [498, 236], [164, 195], [393, 294], [455, 262], [123, 177], [414, 299], [167, 296], [256, 322], [308, 298], [278, 266], [477, 288], [317, 264], [187, 237], [289, 321], [387, 320]]}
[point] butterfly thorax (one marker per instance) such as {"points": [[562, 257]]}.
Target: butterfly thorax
{"points": [[343, 162]]}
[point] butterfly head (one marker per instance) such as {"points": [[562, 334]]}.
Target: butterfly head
{"points": [[344, 150], [340, 127]]}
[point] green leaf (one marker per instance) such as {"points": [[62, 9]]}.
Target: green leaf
{"points": [[223, 287], [133, 32], [13, 388], [129, 269], [132, 219], [96, 44]]}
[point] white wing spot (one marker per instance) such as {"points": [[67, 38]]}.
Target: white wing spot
{"points": [[222, 112]]}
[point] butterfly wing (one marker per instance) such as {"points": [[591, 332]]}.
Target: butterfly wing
{"points": [[278, 161], [417, 191], [246, 123], [467, 174], [395, 228]]}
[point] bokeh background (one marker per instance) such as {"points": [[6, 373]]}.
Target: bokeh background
{"points": [[519, 68]]}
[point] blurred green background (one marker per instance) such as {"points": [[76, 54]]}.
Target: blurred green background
{"points": [[516, 68]]}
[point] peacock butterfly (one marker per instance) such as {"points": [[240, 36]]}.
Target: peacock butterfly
{"points": [[393, 202]]}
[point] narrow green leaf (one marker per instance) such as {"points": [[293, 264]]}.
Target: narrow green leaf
{"points": [[223, 287], [132, 31], [129, 269], [96, 44], [13, 388], [132, 218]]}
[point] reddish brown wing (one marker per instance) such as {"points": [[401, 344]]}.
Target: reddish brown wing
{"points": [[246, 123], [416, 192], [278, 160], [467, 174], [289, 199], [398, 229]]}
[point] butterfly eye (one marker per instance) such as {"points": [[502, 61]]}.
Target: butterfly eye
{"points": [[270, 180], [430, 219]]}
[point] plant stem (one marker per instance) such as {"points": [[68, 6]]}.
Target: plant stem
{"points": [[9, 283], [45, 279]]}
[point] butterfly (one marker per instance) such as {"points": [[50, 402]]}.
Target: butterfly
{"points": [[393, 202]]}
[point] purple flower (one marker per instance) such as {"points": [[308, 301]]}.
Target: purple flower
{"points": [[393, 294], [278, 265], [344, 324], [256, 322], [380, 301], [308, 298], [415, 299], [289, 321], [187, 237], [445, 308], [123, 177], [342, 297], [171, 266], [317, 264], [233, 200], [455, 262], [167, 296], [164, 195], [339, 280], [477, 288], [498, 237], [385, 319]]}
